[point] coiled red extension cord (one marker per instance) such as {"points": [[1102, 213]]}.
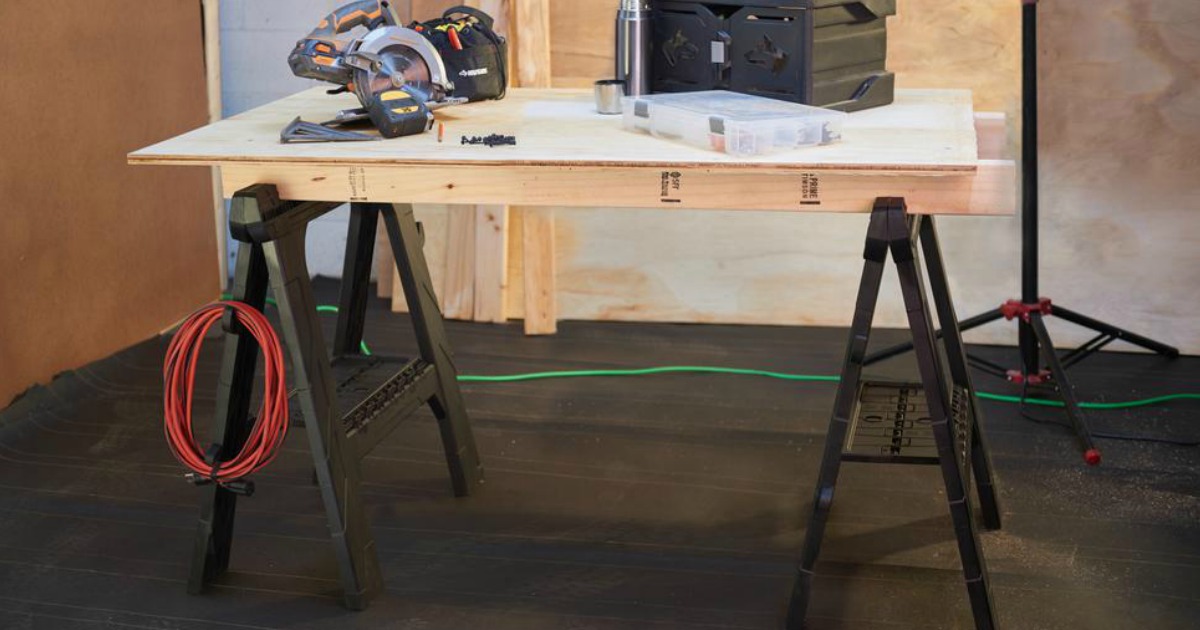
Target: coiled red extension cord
{"points": [[179, 378]]}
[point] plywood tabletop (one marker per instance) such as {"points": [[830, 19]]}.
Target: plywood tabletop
{"points": [[925, 131]]}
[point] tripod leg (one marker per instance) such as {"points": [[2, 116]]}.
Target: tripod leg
{"points": [[466, 471], [1027, 344], [847, 394], [214, 536], [937, 397], [971, 323], [1113, 331], [989, 367], [356, 278], [1091, 454], [337, 468], [960, 373]]}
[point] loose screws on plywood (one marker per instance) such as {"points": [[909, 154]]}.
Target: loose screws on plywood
{"points": [[493, 140]]}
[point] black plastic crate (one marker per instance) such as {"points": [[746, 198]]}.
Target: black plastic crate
{"points": [[830, 53]]}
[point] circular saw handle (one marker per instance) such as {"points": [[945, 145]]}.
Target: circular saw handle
{"points": [[368, 13], [483, 18]]}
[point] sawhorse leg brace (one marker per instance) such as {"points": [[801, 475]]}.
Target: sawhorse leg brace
{"points": [[350, 403], [935, 422]]}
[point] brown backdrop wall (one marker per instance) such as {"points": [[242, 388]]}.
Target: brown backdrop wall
{"points": [[96, 255]]}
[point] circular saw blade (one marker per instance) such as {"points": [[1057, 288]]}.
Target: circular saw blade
{"points": [[398, 66]]}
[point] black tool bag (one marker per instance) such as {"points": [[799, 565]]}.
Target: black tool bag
{"points": [[476, 57]]}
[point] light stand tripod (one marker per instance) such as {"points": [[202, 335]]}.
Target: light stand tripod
{"points": [[1032, 309]]}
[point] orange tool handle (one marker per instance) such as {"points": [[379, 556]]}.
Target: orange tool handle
{"points": [[368, 13]]}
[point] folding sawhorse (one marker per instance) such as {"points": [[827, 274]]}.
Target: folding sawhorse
{"points": [[348, 403], [935, 422]]}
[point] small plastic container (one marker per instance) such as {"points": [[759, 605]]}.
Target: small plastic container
{"points": [[733, 123]]}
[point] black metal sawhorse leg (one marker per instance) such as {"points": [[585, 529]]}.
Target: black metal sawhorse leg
{"points": [[936, 422], [350, 403], [960, 374]]}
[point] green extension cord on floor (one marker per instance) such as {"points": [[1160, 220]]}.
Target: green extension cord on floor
{"points": [[801, 378], [804, 378]]}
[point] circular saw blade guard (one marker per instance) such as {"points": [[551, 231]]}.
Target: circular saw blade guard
{"points": [[394, 57]]}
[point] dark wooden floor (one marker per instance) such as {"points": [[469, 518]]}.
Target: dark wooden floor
{"points": [[659, 502]]}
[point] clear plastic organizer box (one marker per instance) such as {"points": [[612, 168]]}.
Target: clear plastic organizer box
{"points": [[733, 123]]}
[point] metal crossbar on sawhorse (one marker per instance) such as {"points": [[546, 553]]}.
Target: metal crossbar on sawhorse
{"points": [[935, 422], [349, 403]]}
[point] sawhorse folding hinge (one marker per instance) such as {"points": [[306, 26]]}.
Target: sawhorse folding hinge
{"points": [[349, 403], [936, 422]]}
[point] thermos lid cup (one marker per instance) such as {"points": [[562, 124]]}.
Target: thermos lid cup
{"points": [[609, 93]]}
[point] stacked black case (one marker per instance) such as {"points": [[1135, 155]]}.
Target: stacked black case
{"points": [[829, 53]]}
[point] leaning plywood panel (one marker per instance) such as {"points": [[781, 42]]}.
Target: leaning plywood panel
{"points": [[582, 40], [96, 255]]}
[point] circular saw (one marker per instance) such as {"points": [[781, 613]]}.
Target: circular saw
{"points": [[398, 73]]}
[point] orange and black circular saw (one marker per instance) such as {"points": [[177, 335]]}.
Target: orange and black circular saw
{"points": [[401, 74]]}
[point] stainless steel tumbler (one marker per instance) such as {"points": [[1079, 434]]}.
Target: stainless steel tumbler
{"points": [[608, 96]]}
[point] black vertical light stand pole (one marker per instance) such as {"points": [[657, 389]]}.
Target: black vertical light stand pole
{"points": [[1030, 260], [1040, 362]]}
